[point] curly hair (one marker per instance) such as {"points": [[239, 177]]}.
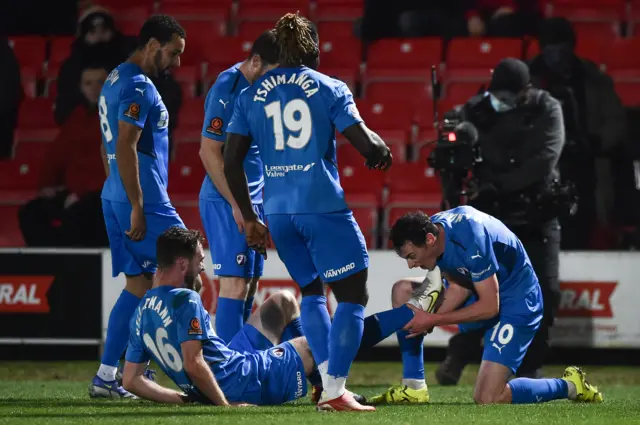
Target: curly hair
{"points": [[298, 40], [412, 227], [160, 27]]}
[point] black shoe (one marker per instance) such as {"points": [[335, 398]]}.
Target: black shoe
{"points": [[449, 371]]}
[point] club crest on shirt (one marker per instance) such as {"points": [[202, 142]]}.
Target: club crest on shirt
{"points": [[277, 352], [194, 327], [215, 126], [133, 111], [241, 259]]}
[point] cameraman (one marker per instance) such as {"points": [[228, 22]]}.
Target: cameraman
{"points": [[521, 136]]}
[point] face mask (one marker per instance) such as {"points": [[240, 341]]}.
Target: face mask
{"points": [[497, 104]]}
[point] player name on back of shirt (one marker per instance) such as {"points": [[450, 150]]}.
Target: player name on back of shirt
{"points": [[269, 83]]}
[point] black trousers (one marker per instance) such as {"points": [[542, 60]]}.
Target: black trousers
{"points": [[543, 247], [45, 222]]}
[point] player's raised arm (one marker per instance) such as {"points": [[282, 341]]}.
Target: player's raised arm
{"points": [[136, 102], [347, 120]]}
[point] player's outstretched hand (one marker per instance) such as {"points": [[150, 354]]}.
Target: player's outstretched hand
{"points": [[138, 225], [257, 236], [421, 323]]}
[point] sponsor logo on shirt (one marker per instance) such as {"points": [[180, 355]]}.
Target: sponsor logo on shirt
{"points": [[133, 111], [194, 327], [215, 126], [273, 171], [337, 272]]}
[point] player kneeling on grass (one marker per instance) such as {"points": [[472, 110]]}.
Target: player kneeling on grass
{"points": [[172, 328], [478, 254]]}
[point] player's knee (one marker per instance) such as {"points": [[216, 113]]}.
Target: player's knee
{"points": [[352, 289], [486, 397], [401, 293], [233, 287], [286, 302], [315, 288]]}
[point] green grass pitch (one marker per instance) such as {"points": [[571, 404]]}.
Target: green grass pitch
{"points": [[56, 393]]}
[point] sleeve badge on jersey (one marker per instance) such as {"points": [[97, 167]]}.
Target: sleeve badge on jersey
{"points": [[133, 111], [194, 327], [215, 126]]}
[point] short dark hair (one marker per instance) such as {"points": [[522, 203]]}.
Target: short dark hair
{"points": [[160, 27], [412, 227], [266, 46], [176, 242]]}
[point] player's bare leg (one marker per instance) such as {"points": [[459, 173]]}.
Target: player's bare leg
{"points": [[491, 384], [274, 315], [105, 383], [425, 294]]}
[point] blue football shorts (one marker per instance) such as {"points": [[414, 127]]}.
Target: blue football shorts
{"points": [[279, 369], [328, 245], [134, 258], [230, 254], [507, 341]]}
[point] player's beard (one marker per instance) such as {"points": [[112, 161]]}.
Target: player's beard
{"points": [[157, 62], [193, 282]]}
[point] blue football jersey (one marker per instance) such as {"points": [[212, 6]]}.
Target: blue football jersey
{"points": [[168, 316], [218, 110], [478, 246], [129, 95], [292, 115]]}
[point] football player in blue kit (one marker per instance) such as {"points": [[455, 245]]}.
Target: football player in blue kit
{"points": [[264, 364], [237, 265], [134, 123], [291, 114], [480, 256]]}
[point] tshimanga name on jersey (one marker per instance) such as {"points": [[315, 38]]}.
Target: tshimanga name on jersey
{"points": [[337, 272], [156, 305], [303, 80]]}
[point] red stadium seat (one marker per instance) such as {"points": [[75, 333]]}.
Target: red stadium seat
{"points": [[189, 212], [340, 57], [185, 181], [250, 30], [190, 121], [35, 121], [402, 60], [30, 50], [228, 51], [60, 49], [592, 17], [622, 60], [10, 234], [29, 80], [458, 92], [32, 153], [342, 29], [367, 219], [629, 93], [270, 10], [188, 154], [398, 91], [19, 180], [472, 59], [392, 121], [424, 120], [363, 187], [199, 14], [338, 10], [188, 77]]}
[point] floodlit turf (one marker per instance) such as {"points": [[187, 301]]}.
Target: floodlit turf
{"points": [[56, 393]]}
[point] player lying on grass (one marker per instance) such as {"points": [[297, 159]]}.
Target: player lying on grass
{"points": [[264, 364], [479, 255]]}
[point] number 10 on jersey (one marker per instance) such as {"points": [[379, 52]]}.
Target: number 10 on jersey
{"points": [[296, 116]]}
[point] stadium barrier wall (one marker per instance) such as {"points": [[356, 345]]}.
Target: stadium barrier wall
{"points": [[64, 297], [598, 309]]}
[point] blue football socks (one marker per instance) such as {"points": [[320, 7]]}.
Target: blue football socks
{"points": [[118, 328], [229, 317], [527, 390]]}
